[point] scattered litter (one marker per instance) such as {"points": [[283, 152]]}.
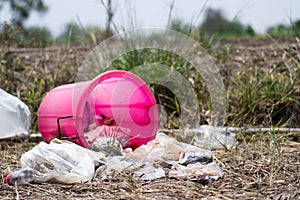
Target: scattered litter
{"points": [[15, 116], [196, 171], [66, 162], [168, 150], [19, 177], [165, 150]]}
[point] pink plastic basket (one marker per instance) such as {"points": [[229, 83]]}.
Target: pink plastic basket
{"points": [[67, 111]]}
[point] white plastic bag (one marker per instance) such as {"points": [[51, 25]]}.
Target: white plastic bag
{"points": [[61, 162], [14, 116]]}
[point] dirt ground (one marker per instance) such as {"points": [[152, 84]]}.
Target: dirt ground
{"points": [[261, 167]]}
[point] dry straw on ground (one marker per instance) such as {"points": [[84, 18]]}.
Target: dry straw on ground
{"points": [[256, 169]]}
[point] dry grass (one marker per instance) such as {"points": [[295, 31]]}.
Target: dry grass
{"points": [[256, 169]]}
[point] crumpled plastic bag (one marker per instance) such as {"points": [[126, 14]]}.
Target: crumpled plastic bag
{"points": [[61, 162], [15, 116], [164, 151]]}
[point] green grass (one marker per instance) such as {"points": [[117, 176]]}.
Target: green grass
{"points": [[256, 96], [264, 98]]}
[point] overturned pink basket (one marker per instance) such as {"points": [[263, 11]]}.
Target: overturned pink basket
{"points": [[67, 111]]}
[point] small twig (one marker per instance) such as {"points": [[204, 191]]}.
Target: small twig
{"points": [[219, 161], [254, 130], [17, 193], [239, 129]]}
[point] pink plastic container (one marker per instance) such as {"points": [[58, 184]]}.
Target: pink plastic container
{"points": [[67, 111]]}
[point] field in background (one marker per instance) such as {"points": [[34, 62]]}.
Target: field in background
{"points": [[261, 77]]}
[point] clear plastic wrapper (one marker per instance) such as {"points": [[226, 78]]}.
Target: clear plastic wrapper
{"points": [[20, 177], [209, 137]]}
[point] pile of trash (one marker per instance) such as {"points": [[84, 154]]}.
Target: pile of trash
{"points": [[61, 161], [66, 162]]}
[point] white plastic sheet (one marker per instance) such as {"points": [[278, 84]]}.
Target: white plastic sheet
{"points": [[15, 116]]}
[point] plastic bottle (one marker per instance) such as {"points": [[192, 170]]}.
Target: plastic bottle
{"points": [[19, 177]]}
